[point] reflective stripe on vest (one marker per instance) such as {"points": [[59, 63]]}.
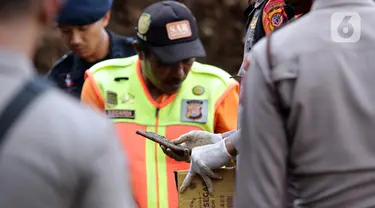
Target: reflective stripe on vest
{"points": [[131, 107]]}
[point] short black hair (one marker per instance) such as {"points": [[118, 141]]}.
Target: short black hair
{"points": [[17, 8]]}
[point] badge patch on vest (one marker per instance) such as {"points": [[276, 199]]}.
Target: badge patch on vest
{"points": [[111, 98], [194, 111], [127, 98], [129, 114], [198, 90]]}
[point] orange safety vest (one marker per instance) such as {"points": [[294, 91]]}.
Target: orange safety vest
{"points": [[132, 108]]}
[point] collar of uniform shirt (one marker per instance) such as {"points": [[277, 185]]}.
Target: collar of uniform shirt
{"points": [[320, 4], [15, 64]]}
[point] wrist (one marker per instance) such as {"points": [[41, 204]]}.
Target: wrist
{"points": [[230, 149], [216, 138], [228, 133]]}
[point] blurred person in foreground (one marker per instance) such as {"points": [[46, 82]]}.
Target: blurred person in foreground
{"points": [[57, 153], [164, 90], [82, 24], [317, 106]]}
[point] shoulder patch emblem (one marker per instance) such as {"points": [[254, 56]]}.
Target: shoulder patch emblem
{"points": [[277, 19], [275, 14]]}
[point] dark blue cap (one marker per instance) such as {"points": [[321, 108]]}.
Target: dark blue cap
{"points": [[83, 12], [170, 31]]}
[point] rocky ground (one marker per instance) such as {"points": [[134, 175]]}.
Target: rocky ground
{"points": [[221, 27]]}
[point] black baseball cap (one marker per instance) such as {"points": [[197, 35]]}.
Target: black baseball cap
{"points": [[170, 31]]}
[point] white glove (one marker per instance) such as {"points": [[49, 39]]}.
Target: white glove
{"points": [[190, 140], [203, 160], [197, 138], [229, 133]]}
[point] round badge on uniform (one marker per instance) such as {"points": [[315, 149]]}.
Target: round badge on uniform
{"points": [[198, 90]]}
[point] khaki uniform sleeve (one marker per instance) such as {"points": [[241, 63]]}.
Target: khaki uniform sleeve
{"points": [[226, 114], [261, 179]]}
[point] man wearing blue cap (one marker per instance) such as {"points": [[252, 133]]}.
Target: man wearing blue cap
{"points": [[83, 27]]}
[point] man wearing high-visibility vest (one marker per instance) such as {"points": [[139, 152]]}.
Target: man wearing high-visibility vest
{"points": [[206, 158], [164, 90]]}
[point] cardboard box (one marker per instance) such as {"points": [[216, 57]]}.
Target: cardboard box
{"points": [[197, 196]]}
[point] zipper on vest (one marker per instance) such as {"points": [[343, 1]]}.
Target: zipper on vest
{"points": [[156, 157], [157, 112]]}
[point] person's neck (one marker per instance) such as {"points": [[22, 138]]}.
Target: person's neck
{"points": [[102, 50], [154, 91], [19, 37]]}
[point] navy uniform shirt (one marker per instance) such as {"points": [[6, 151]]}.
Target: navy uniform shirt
{"points": [[68, 72], [262, 17]]}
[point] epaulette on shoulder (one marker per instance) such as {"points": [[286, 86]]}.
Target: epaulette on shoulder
{"points": [[113, 63], [211, 70]]}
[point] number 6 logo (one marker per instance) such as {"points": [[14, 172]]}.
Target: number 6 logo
{"points": [[345, 27]]}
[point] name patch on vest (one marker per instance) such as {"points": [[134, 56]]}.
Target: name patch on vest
{"points": [[130, 114], [194, 111]]}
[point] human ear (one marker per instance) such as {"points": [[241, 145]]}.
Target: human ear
{"points": [[141, 54]]}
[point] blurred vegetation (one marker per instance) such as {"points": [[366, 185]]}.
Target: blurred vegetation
{"points": [[221, 25]]}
